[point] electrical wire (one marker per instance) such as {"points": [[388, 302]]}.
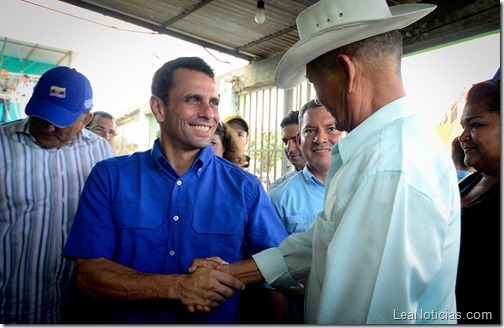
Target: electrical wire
{"points": [[87, 20]]}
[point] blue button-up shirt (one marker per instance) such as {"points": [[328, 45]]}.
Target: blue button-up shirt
{"points": [[137, 211], [298, 200]]}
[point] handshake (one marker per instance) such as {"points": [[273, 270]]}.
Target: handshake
{"points": [[212, 280]]}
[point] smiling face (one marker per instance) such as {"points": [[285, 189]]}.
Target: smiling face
{"points": [[291, 147], [50, 136], [480, 138], [317, 135], [189, 120]]}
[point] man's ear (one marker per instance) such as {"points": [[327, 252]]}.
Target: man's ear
{"points": [[350, 69], [87, 119], [298, 139], [156, 105]]}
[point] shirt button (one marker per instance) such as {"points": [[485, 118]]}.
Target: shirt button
{"points": [[172, 253], [179, 183], [175, 218]]}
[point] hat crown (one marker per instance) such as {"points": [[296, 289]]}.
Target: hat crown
{"points": [[60, 96], [65, 87], [331, 13]]}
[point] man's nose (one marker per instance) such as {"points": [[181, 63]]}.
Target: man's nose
{"points": [[320, 137], [47, 126]]}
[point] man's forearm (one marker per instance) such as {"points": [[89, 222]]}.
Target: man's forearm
{"points": [[246, 271], [101, 278]]}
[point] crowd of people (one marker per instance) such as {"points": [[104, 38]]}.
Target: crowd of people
{"points": [[374, 225]]}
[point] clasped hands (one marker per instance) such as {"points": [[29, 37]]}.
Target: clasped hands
{"points": [[208, 284]]}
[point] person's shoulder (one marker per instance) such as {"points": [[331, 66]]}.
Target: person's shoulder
{"points": [[238, 174], [124, 163], [229, 167], [96, 142], [282, 179], [286, 187], [287, 176], [10, 127]]}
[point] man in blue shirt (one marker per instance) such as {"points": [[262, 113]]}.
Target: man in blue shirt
{"points": [[143, 218], [299, 199]]}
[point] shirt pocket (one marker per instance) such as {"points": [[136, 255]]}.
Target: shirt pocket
{"points": [[219, 232], [299, 223], [142, 230]]}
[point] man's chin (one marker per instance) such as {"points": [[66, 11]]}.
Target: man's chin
{"points": [[49, 142]]}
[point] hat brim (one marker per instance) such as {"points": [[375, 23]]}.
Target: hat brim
{"points": [[291, 69], [59, 116]]}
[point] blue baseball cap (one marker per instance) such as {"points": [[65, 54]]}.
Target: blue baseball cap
{"points": [[61, 95]]}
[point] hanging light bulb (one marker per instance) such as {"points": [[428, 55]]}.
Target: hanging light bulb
{"points": [[260, 17]]}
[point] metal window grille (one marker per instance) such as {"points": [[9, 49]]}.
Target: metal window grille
{"points": [[264, 109]]}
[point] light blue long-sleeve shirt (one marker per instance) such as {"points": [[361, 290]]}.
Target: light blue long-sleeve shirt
{"points": [[384, 250], [298, 200]]}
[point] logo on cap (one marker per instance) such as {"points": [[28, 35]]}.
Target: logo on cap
{"points": [[57, 92]]}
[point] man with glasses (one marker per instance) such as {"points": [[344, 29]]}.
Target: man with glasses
{"points": [[104, 125]]}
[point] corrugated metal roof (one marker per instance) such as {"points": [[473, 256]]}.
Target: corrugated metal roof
{"points": [[228, 25]]}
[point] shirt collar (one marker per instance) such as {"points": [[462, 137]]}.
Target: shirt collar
{"points": [[388, 113], [309, 176], [204, 158]]}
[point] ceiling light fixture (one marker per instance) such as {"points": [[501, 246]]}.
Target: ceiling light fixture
{"points": [[260, 17]]}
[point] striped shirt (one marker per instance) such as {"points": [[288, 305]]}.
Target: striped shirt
{"points": [[39, 191]]}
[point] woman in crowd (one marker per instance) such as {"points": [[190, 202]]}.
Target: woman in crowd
{"points": [[478, 280], [225, 144]]}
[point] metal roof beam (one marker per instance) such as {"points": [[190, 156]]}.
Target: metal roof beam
{"points": [[157, 28], [186, 12]]}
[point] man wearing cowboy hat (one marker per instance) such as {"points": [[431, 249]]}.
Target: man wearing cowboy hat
{"points": [[384, 249]]}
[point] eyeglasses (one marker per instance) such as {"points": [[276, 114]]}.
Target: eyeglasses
{"points": [[101, 130]]}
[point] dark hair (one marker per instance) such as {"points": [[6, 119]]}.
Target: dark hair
{"points": [[232, 148], [370, 51], [487, 93], [162, 81], [311, 104], [101, 114], [291, 118]]}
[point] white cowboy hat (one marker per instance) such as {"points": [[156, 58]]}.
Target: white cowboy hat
{"points": [[331, 24]]}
